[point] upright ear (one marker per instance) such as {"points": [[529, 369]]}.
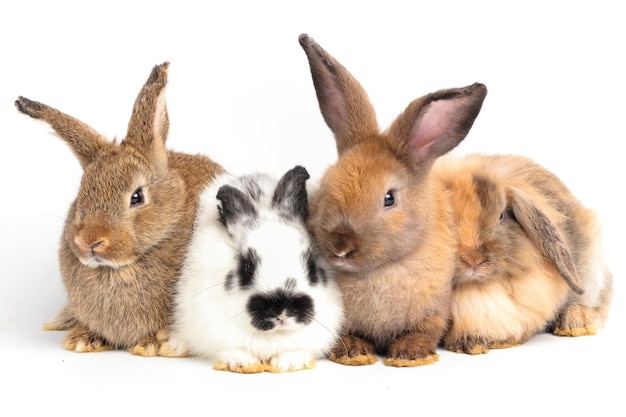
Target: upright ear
{"points": [[290, 196], [545, 236], [84, 141], [433, 125], [235, 206], [149, 123], [344, 104]]}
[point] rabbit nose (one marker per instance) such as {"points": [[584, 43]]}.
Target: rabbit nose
{"points": [[343, 246], [472, 256]]}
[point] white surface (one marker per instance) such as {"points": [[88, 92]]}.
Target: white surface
{"points": [[240, 90]]}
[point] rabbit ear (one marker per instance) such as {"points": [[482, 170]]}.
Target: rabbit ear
{"points": [[546, 236], [433, 125], [344, 104], [290, 197], [149, 124], [84, 141], [235, 205]]}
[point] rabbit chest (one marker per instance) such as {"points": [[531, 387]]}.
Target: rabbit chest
{"points": [[519, 306], [384, 303], [122, 305]]}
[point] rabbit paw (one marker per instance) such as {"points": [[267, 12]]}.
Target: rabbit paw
{"points": [[576, 320], [81, 340], [169, 348], [240, 361], [468, 345], [477, 345], [148, 346], [411, 350], [353, 351], [63, 321], [295, 360]]}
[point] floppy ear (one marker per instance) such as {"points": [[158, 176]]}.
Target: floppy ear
{"points": [[84, 141], [433, 125], [344, 104], [546, 236], [235, 205], [290, 196], [149, 123]]}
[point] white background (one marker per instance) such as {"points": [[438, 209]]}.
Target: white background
{"points": [[240, 91]]}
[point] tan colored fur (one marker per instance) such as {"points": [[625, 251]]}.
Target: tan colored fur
{"points": [[119, 263], [394, 263], [517, 291]]}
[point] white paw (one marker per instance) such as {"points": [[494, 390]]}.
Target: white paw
{"points": [[293, 360], [239, 360]]}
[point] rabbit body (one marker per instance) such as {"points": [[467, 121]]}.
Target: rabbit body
{"points": [[255, 294], [530, 255], [383, 220], [126, 232]]}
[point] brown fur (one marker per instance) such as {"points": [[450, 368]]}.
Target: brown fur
{"points": [[534, 249], [123, 301], [394, 264]]}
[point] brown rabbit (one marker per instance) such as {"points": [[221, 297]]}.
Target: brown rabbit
{"points": [[530, 255], [382, 220], [127, 231]]}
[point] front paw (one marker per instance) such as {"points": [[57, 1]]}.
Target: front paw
{"points": [[80, 339], [467, 344], [576, 320], [148, 347], [295, 360], [353, 351], [411, 350], [169, 347], [241, 362], [477, 345]]}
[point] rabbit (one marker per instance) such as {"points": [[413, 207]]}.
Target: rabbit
{"points": [[382, 220], [255, 294], [126, 232], [530, 255]]}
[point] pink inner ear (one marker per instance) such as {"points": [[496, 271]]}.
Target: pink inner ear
{"points": [[434, 124]]}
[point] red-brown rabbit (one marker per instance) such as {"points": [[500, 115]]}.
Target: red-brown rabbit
{"points": [[382, 220]]}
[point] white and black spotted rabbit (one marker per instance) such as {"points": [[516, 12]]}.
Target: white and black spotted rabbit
{"points": [[255, 294]]}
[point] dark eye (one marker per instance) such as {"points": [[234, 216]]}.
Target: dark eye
{"points": [[137, 198], [390, 198], [248, 269], [247, 266]]}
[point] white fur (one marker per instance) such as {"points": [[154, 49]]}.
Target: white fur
{"points": [[212, 323]]}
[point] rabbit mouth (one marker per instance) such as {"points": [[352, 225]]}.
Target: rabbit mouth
{"points": [[97, 261], [343, 263]]}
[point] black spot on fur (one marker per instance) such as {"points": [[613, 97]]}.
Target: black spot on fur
{"points": [[315, 272], [290, 196], [247, 266], [229, 283], [266, 309], [235, 205]]}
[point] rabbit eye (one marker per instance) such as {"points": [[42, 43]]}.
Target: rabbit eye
{"points": [[390, 199], [247, 266], [137, 198]]}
